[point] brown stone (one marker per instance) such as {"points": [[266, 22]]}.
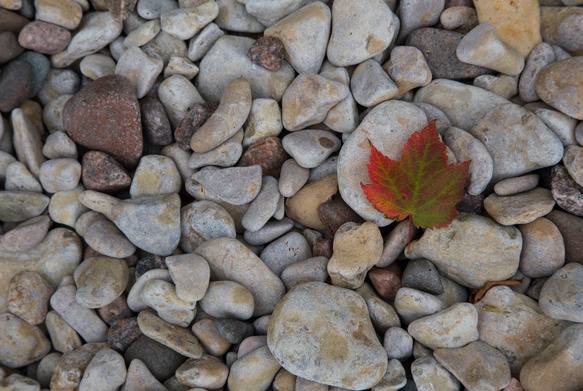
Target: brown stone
{"points": [[268, 152], [9, 47], [471, 204], [103, 173], [155, 122], [121, 9], [105, 115], [43, 37], [28, 297], [116, 310], [267, 52], [333, 213], [323, 247], [567, 193], [386, 281], [123, 333], [195, 117], [90, 253], [11, 21], [571, 228], [14, 84]]}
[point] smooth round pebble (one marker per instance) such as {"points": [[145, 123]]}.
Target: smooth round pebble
{"points": [[100, 280], [208, 372], [228, 299], [398, 344]]}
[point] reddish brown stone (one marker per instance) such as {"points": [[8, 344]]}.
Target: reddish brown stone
{"points": [[116, 310], [157, 130], [9, 47], [514, 386], [333, 213], [386, 281], [105, 115], [43, 37], [103, 173], [571, 228], [11, 21], [149, 262], [14, 84], [268, 153], [123, 333], [195, 117], [323, 248], [567, 193], [471, 204], [267, 52]]}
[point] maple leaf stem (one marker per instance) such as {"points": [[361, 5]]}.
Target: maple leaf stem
{"points": [[410, 222]]}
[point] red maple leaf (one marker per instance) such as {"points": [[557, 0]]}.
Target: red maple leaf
{"points": [[422, 186]]}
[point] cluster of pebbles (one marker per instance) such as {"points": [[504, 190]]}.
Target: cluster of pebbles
{"points": [[181, 205]]}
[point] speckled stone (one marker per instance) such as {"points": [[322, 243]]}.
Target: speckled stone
{"points": [[101, 172], [123, 333], [70, 367], [195, 117], [100, 280], [43, 37], [15, 83], [88, 117], [520, 208], [267, 52], [268, 152], [28, 297], [21, 343], [566, 192]]}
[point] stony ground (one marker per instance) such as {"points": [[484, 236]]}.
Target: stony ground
{"points": [[181, 204]]}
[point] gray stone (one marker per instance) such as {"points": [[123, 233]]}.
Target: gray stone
{"points": [[190, 274], [46, 367], [262, 208], [343, 117], [153, 9], [104, 237], [543, 250], [460, 17], [27, 142], [244, 267], [135, 299], [228, 299], [201, 43], [292, 178], [270, 231], [415, 14], [559, 365], [562, 292], [388, 126], [504, 85], [65, 208], [59, 145], [185, 23], [177, 94], [106, 371], [573, 161], [95, 66], [25, 235], [286, 250], [421, 274], [408, 68], [53, 115], [164, 46], [82, 319], [517, 140], [311, 269], [63, 337], [398, 344], [360, 31], [308, 99], [18, 178], [483, 47], [58, 82], [161, 296], [208, 335], [540, 56], [141, 35], [138, 217], [60, 174], [412, 304], [371, 85], [227, 59], [559, 85], [329, 349], [472, 250], [477, 366], [395, 242], [264, 121], [561, 125], [382, 314], [516, 185], [234, 17], [521, 208], [393, 380], [310, 147], [155, 175], [100, 280], [235, 185], [428, 373], [204, 220], [140, 69], [507, 320], [304, 34], [20, 343], [139, 378], [254, 371], [180, 157], [226, 154], [70, 367]]}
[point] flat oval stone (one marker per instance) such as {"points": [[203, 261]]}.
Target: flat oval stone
{"points": [[254, 371], [177, 338], [292, 178], [412, 304], [262, 208], [337, 345], [516, 185], [63, 337], [558, 365], [185, 23], [226, 154], [104, 237], [311, 269], [454, 250], [508, 133], [21, 343], [561, 293], [310, 147], [100, 280], [27, 141], [360, 32], [427, 373], [388, 126], [559, 85], [244, 267], [507, 319], [43, 37], [60, 174], [235, 185], [89, 116], [208, 371], [519, 208]]}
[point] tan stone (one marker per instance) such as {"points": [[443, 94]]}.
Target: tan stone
{"points": [[20, 343], [303, 206], [254, 371], [517, 22]]}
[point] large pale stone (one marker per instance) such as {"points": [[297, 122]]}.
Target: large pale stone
{"points": [[472, 250], [560, 85], [324, 334], [521, 208]]}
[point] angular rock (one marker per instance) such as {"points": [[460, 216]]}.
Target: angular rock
{"points": [[371, 85]]}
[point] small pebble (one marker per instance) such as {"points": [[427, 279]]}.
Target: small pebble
{"points": [[267, 52], [408, 68], [228, 299], [210, 338], [190, 273], [161, 296], [398, 344], [19, 178], [155, 175], [310, 147], [421, 274], [520, 208], [267, 152], [235, 185], [100, 280], [370, 84], [262, 208], [516, 185], [270, 231], [284, 251], [161, 361], [204, 220], [234, 331], [28, 297], [264, 121], [71, 366], [386, 281], [123, 333], [208, 372], [427, 372]]}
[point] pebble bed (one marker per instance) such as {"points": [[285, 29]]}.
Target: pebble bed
{"points": [[181, 209]]}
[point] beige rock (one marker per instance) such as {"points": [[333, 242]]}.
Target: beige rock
{"points": [[142, 35], [28, 297], [515, 325], [104, 237], [25, 235], [520, 208], [155, 175], [382, 314], [504, 85], [185, 23], [208, 335], [177, 338], [408, 68], [178, 65], [71, 365], [284, 381], [139, 378], [63, 337], [356, 249], [557, 27], [227, 119], [55, 257], [429, 374], [303, 206], [135, 300], [560, 85], [516, 22], [27, 141], [516, 185], [208, 372], [65, 13], [254, 371], [543, 250], [19, 178], [161, 296], [100, 280], [228, 299], [20, 343], [139, 68], [264, 120], [190, 274]]}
